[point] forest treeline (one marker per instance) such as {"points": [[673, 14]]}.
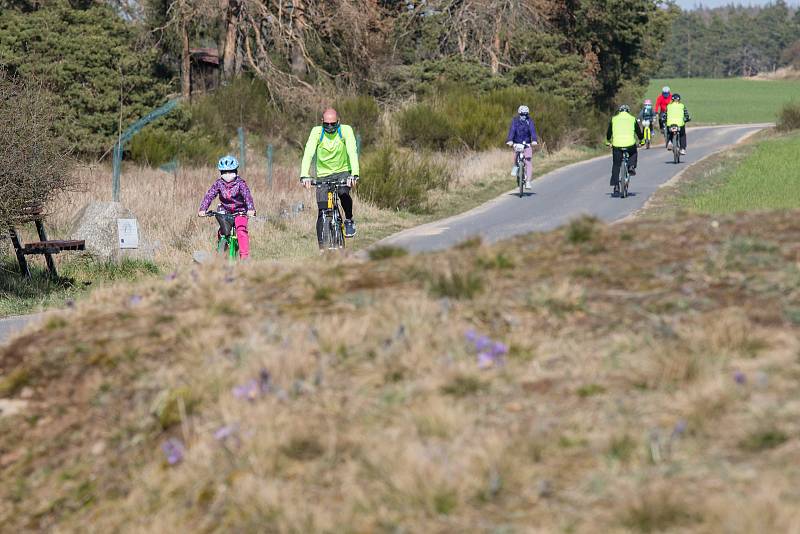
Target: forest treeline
{"points": [[731, 41], [110, 62]]}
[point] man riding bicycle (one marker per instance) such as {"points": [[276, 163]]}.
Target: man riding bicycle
{"points": [[662, 102], [522, 130], [623, 134], [334, 147], [678, 115]]}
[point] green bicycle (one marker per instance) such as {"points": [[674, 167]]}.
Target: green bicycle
{"points": [[227, 242]]}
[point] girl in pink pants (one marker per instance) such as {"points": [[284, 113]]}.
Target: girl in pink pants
{"points": [[234, 197]]}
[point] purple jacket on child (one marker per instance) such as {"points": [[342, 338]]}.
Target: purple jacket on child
{"points": [[234, 196], [521, 131]]}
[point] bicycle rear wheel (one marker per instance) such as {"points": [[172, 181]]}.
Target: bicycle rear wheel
{"points": [[624, 180], [676, 150]]}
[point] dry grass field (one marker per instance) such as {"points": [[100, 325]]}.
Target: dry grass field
{"points": [[591, 379]]}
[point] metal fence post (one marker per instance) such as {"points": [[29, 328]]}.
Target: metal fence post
{"points": [[269, 166], [242, 164], [117, 171], [127, 135]]}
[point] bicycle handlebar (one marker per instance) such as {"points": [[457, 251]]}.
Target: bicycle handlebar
{"points": [[211, 213], [336, 181]]}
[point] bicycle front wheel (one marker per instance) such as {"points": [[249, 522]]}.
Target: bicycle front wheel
{"points": [[521, 179]]}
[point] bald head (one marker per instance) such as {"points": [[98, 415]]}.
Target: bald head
{"points": [[330, 115]]}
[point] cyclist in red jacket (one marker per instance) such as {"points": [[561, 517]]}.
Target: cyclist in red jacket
{"points": [[663, 100]]}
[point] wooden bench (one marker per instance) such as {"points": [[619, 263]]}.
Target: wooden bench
{"points": [[44, 246]]}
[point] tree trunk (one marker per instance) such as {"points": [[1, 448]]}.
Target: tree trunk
{"points": [[230, 38], [186, 63], [299, 67]]}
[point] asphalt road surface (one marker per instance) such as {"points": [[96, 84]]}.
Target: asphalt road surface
{"points": [[12, 325], [566, 193]]}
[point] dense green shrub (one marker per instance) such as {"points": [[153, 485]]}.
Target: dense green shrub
{"points": [[363, 114], [457, 119], [154, 147], [789, 117], [396, 179], [91, 60], [421, 126]]}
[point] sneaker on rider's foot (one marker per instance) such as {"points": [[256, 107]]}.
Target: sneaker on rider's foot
{"points": [[527, 184], [616, 190], [349, 228], [683, 152], [632, 171]]}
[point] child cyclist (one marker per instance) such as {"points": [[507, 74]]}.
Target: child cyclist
{"points": [[235, 198]]}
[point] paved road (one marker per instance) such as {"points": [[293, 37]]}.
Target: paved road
{"points": [[566, 193], [12, 325]]}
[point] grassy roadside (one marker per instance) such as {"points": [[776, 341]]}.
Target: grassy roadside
{"points": [[759, 174], [283, 235], [730, 100], [20, 296], [412, 394]]}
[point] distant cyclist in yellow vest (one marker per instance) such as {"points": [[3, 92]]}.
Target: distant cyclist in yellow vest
{"points": [[624, 133], [677, 115]]}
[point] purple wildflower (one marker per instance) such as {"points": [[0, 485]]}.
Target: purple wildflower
{"points": [[171, 276], [499, 349], [135, 300], [740, 377], [471, 335], [680, 428], [174, 450], [482, 343], [485, 360], [225, 432], [247, 391]]}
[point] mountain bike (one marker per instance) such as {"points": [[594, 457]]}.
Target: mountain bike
{"points": [[675, 138], [648, 132], [332, 219], [227, 242], [624, 174], [520, 164]]}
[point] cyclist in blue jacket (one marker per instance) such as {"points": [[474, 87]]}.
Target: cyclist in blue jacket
{"points": [[522, 130]]}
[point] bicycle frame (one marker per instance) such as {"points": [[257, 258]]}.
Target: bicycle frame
{"points": [[522, 165], [332, 219], [227, 243]]}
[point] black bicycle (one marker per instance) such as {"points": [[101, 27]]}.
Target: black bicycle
{"points": [[521, 165], [332, 219], [675, 138], [624, 174]]}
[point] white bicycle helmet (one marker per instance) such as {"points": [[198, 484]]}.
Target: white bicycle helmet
{"points": [[523, 110], [665, 89]]}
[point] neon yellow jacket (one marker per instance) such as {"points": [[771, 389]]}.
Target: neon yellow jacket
{"points": [[676, 114], [335, 153], [623, 130]]}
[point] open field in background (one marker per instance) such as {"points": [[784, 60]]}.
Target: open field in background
{"points": [[760, 174], [166, 206], [730, 100], [621, 391]]}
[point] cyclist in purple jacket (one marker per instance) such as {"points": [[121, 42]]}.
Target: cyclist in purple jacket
{"points": [[522, 130]]}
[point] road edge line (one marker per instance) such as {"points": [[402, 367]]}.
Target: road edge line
{"points": [[679, 176]]}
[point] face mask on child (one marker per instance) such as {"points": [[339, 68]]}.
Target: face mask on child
{"points": [[228, 176]]}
